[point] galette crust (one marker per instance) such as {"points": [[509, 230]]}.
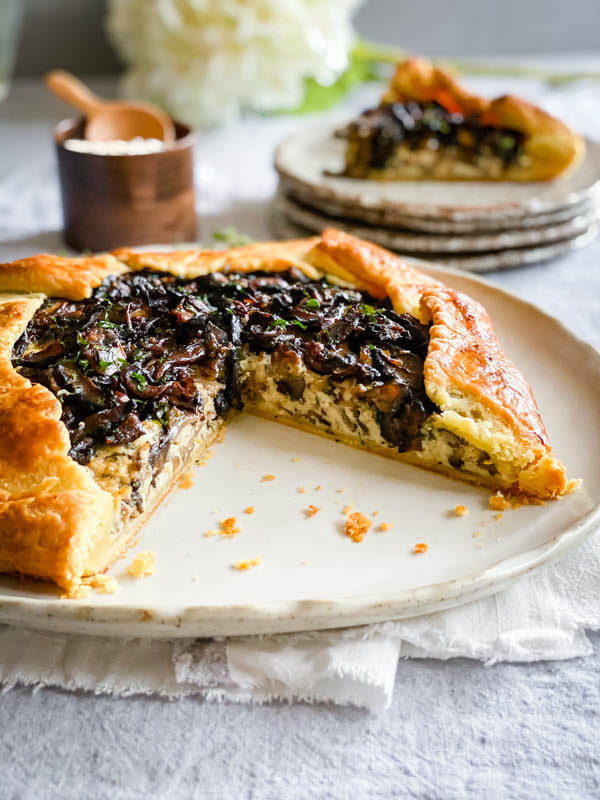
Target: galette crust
{"points": [[52, 512], [53, 515], [551, 147]]}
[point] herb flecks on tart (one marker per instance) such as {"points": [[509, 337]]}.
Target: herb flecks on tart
{"points": [[109, 386], [428, 127]]}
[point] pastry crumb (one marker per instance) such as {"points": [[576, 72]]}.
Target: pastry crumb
{"points": [[143, 564], [249, 510], [375, 513], [210, 533], [78, 592], [103, 583], [187, 481], [420, 547], [498, 515], [573, 485], [229, 527], [220, 435], [296, 460], [303, 563], [477, 534], [385, 526], [318, 488], [460, 511], [341, 490], [312, 510], [243, 565], [347, 509], [357, 525], [301, 490], [498, 502], [268, 477]]}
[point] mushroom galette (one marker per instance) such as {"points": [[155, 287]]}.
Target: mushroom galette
{"points": [[116, 369]]}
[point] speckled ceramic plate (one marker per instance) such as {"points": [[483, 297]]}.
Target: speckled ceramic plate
{"points": [[390, 218], [511, 258], [434, 244], [305, 158], [312, 576]]}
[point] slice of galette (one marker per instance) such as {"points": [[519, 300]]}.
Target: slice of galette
{"points": [[429, 127], [115, 370]]}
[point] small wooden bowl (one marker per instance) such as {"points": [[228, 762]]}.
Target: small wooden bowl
{"points": [[114, 201]]}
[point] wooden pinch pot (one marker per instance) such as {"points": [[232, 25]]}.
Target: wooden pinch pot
{"points": [[124, 200]]}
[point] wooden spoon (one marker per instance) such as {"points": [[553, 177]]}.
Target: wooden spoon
{"points": [[111, 119]]}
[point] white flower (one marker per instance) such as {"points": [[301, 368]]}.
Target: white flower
{"points": [[206, 61]]}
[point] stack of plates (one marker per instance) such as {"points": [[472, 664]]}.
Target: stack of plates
{"points": [[479, 226]]}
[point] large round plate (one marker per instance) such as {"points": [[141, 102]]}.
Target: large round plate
{"points": [[305, 158], [311, 575]]}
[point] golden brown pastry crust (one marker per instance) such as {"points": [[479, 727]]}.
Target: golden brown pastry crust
{"points": [[52, 512], [58, 276], [551, 147], [53, 516]]}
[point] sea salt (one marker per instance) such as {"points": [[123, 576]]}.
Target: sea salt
{"points": [[116, 147]]}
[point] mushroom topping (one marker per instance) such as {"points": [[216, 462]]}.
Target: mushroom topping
{"points": [[139, 348]]}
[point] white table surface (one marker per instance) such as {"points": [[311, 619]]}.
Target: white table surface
{"points": [[455, 729]]}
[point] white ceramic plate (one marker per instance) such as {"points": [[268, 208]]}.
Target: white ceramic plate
{"points": [[393, 219], [433, 244], [311, 575], [304, 159]]}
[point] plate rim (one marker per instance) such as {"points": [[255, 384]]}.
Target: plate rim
{"points": [[389, 218], [474, 263], [82, 616], [435, 211], [440, 244]]}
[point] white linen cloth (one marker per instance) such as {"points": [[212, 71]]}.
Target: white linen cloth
{"points": [[541, 617]]}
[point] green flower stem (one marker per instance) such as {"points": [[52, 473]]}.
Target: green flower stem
{"points": [[388, 54]]}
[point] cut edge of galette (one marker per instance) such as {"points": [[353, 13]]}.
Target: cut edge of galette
{"points": [[116, 371], [428, 127]]}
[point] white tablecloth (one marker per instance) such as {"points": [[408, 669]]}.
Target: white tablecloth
{"points": [[456, 729]]}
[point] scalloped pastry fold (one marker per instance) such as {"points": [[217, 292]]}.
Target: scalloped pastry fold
{"points": [[547, 147], [58, 523]]}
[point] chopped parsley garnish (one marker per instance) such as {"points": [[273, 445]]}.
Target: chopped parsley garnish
{"points": [[312, 303], [299, 324], [278, 323], [370, 311], [141, 379], [231, 237]]}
